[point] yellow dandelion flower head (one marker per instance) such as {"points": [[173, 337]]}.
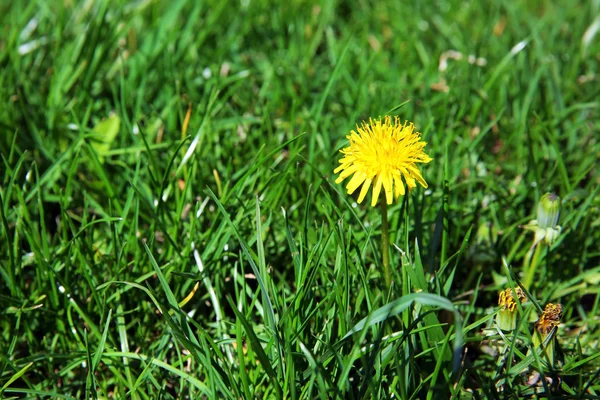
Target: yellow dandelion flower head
{"points": [[507, 301], [383, 153]]}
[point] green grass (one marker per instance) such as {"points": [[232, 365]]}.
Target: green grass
{"points": [[195, 245]]}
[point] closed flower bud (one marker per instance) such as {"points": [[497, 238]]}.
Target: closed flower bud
{"points": [[548, 211], [546, 226]]}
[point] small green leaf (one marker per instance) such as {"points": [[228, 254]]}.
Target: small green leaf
{"points": [[104, 133]]}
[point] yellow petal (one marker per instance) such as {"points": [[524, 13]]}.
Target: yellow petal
{"points": [[355, 137], [364, 190], [398, 186], [410, 182], [425, 158], [376, 190], [417, 175], [355, 182], [344, 163], [387, 185], [347, 172]]}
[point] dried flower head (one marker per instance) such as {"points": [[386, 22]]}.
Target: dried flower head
{"points": [[550, 319], [545, 330], [385, 154]]}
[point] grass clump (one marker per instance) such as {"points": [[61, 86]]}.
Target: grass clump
{"points": [[170, 226]]}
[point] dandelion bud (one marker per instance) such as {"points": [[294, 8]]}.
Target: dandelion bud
{"points": [[548, 211], [545, 330], [507, 316], [545, 226]]}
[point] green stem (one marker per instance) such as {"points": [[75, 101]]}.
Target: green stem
{"points": [[532, 266], [385, 245]]}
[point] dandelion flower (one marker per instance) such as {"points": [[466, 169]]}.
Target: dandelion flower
{"points": [[507, 316], [384, 154]]}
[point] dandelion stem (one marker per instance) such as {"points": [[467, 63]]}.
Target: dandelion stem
{"points": [[532, 266], [385, 244]]}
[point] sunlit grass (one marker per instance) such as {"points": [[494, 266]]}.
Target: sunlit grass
{"points": [[170, 226]]}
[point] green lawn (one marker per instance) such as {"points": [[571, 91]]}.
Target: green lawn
{"points": [[171, 226]]}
